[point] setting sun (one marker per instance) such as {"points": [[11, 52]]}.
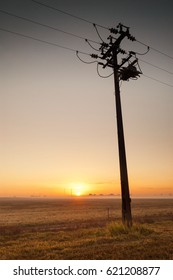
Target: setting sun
{"points": [[78, 193], [79, 189]]}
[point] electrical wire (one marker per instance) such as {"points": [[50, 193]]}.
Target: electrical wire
{"points": [[85, 20], [156, 66], [139, 66], [156, 50], [101, 75], [88, 41], [98, 32], [86, 62], [66, 13], [42, 41], [153, 65], [77, 36], [148, 48], [73, 50], [70, 49], [157, 80], [45, 25], [154, 79]]}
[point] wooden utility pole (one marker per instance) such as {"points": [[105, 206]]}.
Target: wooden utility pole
{"points": [[126, 201], [122, 70], [110, 54]]}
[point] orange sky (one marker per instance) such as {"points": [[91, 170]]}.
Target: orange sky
{"points": [[57, 117]]}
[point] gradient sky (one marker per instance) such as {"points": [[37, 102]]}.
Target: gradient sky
{"points": [[57, 116]]}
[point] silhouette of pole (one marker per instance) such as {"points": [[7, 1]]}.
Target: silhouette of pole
{"points": [[126, 201], [123, 71]]}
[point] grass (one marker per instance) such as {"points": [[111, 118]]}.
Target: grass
{"points": [[81, 229], [137, 230]]}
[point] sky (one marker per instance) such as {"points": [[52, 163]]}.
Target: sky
{"points": [[57, 116]]}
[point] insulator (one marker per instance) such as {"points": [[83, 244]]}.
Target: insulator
{"points": [[105, 45], [122, 51], [94, 56], [113, 30], [132, 53], [132, 38]]}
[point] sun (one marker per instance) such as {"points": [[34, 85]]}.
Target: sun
{"points": [[78, 188], [78, 193]]}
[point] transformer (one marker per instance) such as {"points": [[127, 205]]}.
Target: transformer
{"points": [[129, 72]]}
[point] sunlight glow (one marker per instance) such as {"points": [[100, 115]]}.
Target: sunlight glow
{"points": [[78, 193], [79, 189]]}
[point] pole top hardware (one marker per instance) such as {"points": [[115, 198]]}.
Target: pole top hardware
{"points": [[129, 72]]}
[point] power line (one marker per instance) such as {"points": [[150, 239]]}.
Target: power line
{"points": [[144, 53], [95, 26], [156, 50], [101, 75], [69, 49], [157, 80], [85, 20], [74, 35], [66, 13], [91, 45], [87, 62], [42, 41], [156, 66], [153, 65], [45, 25]]}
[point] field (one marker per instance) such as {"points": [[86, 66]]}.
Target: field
{"points": [[81, 228]]}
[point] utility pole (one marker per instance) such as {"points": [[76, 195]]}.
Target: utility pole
{"points": [[109, 53], [126, 200]]}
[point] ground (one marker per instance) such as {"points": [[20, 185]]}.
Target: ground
{"points": [[81, 228]]}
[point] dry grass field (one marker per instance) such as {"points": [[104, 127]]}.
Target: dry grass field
{"points": [[81, 228]]}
